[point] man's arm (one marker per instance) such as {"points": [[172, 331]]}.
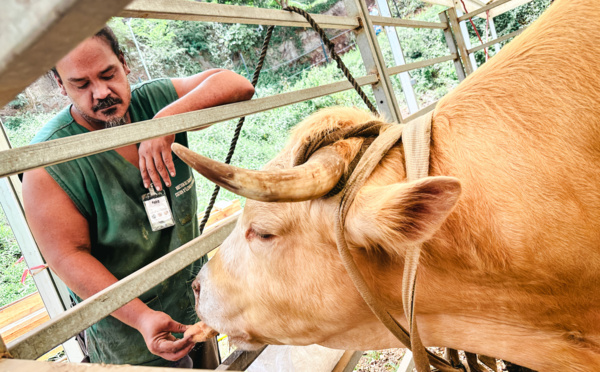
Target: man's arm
{"points": [[206, 89], [62, 234]]}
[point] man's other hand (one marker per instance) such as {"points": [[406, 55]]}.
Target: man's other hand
{"points": [[156, 161], [156, 328]]}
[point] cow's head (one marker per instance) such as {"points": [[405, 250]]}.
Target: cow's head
{"points": [[278, 279]]}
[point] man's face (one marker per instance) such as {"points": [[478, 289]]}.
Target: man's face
{"points": [[95, 80]]}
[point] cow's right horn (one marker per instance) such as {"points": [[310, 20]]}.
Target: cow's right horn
{"points": [[310, 180]]}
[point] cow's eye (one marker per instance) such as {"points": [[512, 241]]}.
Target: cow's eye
{"points": [[252, 233], [264, 236]]}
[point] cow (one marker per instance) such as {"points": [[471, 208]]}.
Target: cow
{"points": [[508, 218]]}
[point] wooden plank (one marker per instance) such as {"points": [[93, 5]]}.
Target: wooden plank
{"points": [[19, 309], [373, 61], [348, 361], [239, 360], [219, 214], [209, 12], [496, 41], [420, 64], [47, 153], [68, 324], [405, 79], [17, 365], [407, 363], [508, 6], [423, 111], [24, 325], [460, 40], [36, 34], [483, 9], [395, 22], [460, 71]]}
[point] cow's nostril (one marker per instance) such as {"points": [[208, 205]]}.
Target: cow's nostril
{"points": [[196, 287]]}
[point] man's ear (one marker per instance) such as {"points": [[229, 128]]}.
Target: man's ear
{"points": [[61, 86], [389, 217], [124, 63]]}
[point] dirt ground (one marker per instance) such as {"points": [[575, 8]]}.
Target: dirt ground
{"points": [[389, 360]]}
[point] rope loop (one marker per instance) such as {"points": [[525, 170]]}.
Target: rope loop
{"points": [[331, 47]]}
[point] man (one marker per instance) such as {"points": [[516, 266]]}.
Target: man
{"points": [[88, 216]]}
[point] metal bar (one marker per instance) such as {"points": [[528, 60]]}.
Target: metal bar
{"points": [[483, 9], [348, 361], [420, 64], [496, 41], [35, 343], [240, 360], [460, 40], [395, 22], [52, 152], [374, 62], [36, 34], [423, 111], [209, 12], [465, 32], [19, 365], [52, 290], [508, 6], [451, 43], [405, 80], [494, 34]]}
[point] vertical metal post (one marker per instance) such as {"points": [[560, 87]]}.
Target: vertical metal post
{"points": [[494, 34], [52, 290], [465, 32], [373, 61], [407, 87], [460, 40], [460, 71]]}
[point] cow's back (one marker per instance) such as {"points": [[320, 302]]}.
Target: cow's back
{"points": [[523, 136]]}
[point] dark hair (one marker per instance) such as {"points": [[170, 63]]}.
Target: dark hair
{"points": [[107, 34]]}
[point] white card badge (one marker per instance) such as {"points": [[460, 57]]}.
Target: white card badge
{"points": [[158, 209]]}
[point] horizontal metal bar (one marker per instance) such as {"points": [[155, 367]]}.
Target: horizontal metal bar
{"points": [[240, 360], [68, 324], [415, 65], [496, 41], [36, 34], [395, 22], [57, 151], [482, 9], [422, 111], [209, 12]]}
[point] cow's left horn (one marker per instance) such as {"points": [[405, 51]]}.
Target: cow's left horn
{"points": [[310, 180]]}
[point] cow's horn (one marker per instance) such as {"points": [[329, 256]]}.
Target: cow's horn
{"points": [[310, 180]]}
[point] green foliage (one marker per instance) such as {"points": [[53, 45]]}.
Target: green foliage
{"points": [[22, 127], [19, 102]]}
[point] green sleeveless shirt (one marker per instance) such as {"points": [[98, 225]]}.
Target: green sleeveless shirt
{"points": [[107, 190]]}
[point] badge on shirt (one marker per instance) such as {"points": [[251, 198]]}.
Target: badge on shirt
{"points": [[158, 209]]}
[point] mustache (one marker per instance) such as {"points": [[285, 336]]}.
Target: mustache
{"points": [[106, 102]]}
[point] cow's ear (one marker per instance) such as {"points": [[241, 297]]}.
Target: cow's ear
{"points": [[386, 217]]}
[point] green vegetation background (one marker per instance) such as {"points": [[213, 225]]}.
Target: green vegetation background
{"points": [[179, 48]]}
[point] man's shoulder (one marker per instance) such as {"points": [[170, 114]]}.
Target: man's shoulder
{"points": [[150, 97], [61, 125]]}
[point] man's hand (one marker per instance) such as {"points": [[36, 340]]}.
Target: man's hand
{"points": [[156, 328], [156, 161]]}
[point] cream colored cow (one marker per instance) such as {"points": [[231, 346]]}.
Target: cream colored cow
{"points": [[510, 219]]}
